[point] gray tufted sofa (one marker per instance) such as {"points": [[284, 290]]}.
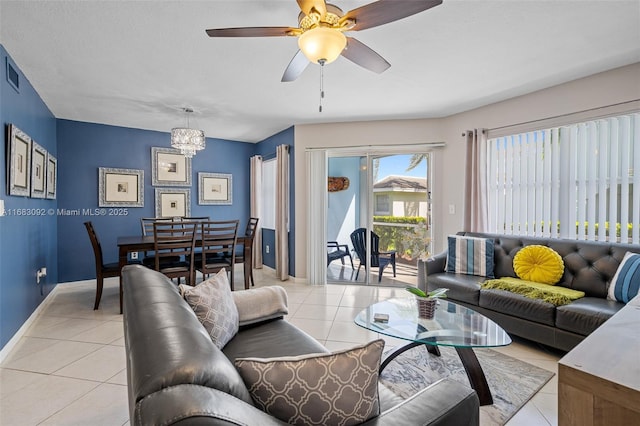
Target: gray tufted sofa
{"points": [[176, 375], [589, 267]]}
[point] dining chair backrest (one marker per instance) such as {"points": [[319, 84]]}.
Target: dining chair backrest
{"points": [[192, 218], [147, 223], [103, 270], [171, 239], [95, 243], [250, 230], [218, 244]]}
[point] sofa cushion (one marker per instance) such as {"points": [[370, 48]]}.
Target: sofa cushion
{"points": [[539, 264], [213, 304], [336, 388], [465, 288], [584, 315], [275, 338], [470, 255], [626, 282], [518, 306]]}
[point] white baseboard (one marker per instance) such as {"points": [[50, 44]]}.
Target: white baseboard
{"points": [[16, 337]]}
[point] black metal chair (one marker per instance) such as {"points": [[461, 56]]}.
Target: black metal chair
{"points": [[337, 251], [103, 270], [378, 259]]}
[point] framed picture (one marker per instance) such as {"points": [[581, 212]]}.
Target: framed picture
{"points": [[173, 202], [19, 162], [52, 176], [170, 168], [120, 187], [214, 188], [38, 170]]}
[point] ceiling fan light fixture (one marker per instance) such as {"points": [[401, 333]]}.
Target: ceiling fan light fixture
{"points": [[322, 44]]}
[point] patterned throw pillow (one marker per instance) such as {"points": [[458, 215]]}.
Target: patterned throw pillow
{"points": [[339, 388], [213, 304], [470, 255], [626, 282], [540, 264]]}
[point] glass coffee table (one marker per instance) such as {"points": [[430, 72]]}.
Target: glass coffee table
{"points": [[452, 325]]}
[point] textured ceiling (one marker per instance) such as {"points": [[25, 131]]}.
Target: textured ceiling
{"points": [[137, 63]]}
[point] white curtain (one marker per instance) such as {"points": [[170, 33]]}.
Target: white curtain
{"points": [[282, 212], [316, 217], [476, 207], [256, 208]]}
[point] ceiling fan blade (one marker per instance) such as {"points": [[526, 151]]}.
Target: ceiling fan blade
{"points": [[385, 11], [306, 6], [297, 65], [251, 32], [360, 54]]}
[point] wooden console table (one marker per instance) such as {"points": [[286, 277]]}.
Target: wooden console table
{"points": [[599, 380]]}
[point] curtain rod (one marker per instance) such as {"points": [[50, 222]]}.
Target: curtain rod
{"points": [[273, 154], [564, 115]]}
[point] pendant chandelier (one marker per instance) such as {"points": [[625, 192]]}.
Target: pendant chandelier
{"points": [[187, 140]]}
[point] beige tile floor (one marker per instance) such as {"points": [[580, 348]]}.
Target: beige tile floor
{"points": [[69, 367]]}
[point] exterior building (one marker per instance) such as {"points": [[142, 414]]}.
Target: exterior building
{"points": [[400, 196]]}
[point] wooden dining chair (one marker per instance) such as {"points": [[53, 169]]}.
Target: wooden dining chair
{"points": [[103, 270], [218, 246], [193, 218], [148, 257], [244, 254], [173, 241]]}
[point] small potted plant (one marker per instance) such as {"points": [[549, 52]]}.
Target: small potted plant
{"points": [[427, 300]]}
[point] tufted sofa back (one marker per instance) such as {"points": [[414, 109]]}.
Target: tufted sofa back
{"points": [[589, 266]]}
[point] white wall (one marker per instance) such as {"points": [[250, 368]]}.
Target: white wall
{"points": [[604, 89]]}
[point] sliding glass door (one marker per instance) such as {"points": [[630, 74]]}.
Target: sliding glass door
{"points": [[377, 203]]}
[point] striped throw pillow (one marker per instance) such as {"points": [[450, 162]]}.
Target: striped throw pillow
{"points": [[470, 255], [626, 282]]}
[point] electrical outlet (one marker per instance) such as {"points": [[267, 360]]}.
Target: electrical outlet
{"points": [[266, 249], [134, 255], [42, 272], [452, 209]]}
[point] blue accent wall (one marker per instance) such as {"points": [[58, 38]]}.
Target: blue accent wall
{"points": [[27, 243], [84, 147], [267, 148], [58, 240], [343, 209]]}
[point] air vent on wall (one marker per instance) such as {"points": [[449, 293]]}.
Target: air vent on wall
{"points": [[13, 77]]}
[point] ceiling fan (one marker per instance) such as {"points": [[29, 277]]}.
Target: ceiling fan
{"points": [[321, 31]]}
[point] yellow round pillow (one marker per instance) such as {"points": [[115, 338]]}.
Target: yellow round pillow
{"points": [[539, 264]]}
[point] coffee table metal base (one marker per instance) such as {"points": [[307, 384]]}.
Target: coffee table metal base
{"points": [[470, 363]]}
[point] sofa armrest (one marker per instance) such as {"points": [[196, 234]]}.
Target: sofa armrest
{"points": [[192, 404], [436, 264], [444, 403], [260, 304]]}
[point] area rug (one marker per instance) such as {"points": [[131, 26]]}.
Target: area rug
{"points": [[512, 382]]}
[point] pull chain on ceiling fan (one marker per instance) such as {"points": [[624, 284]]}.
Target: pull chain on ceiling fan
{"points": [[321, 28]]}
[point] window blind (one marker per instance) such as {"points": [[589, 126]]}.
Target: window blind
{"points": [[573, 181]]}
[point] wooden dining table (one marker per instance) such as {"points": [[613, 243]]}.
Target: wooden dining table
{"points": [[141, 243]]}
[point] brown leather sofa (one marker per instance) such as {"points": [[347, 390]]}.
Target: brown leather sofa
{"points": [[589, 267], [176, 375]]}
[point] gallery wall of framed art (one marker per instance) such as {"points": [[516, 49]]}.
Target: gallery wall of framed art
{"points": [[31, 170]]}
